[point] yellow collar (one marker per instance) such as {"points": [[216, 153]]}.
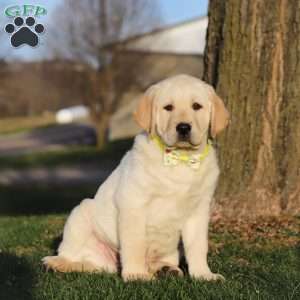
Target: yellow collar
{"points": [[173, 156]]}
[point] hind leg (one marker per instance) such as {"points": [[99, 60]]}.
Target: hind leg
{"points": [[80, 249], [62, 264], [96, 256]]}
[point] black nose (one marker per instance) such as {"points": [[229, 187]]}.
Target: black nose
{"points": [[183, 129]]}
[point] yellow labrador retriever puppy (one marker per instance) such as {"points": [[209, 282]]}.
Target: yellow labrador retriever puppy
{"points": [[161, 191]]}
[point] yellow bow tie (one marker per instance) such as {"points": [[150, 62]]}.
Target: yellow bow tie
{"points": [[173, 156]]}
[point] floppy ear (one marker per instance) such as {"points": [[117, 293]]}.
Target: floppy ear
{"points": [[219, 115], [144, 112]]}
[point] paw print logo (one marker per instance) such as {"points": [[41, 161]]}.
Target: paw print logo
{"points": [[24, 34]]}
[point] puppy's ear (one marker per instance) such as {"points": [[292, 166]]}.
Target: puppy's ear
{"points": [[143, 114], [219, 115]]}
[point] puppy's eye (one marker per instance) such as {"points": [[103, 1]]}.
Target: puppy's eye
{"points": [[196, 106], [169, 107]]}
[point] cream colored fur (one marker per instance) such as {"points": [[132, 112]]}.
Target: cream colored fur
{"points": [[144, 207]]}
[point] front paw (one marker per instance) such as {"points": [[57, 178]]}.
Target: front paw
{"points": [[169, 270], [132, 276], [208, 276]]}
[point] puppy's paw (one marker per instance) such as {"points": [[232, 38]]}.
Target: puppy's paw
{"points": [[52, 262], [209, 276], [145, 276], [166, 271], [58, 263]]}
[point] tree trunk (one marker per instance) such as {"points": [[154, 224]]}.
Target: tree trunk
{"points": [[100, 99], [101, 125], [252, 59]]}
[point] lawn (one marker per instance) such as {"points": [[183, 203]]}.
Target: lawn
{"points": [[260, 260], [21, 124], [72, 155]]}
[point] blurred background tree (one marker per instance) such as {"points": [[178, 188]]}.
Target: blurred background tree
{"points": [[87, 33], [252, 58]]}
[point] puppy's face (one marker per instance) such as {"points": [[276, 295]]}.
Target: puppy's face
{"points": [[180, 110]]}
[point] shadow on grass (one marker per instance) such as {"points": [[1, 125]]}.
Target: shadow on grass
{"points": [[55, 244], [16, 277]]}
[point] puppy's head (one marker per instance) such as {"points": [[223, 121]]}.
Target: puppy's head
{"points": [[181, 110]]}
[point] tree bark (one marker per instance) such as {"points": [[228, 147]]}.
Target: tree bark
{"points": [[252, 59], [101, 125]]}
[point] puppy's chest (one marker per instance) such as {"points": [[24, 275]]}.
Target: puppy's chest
{"points": [[174, 198], [171, 209], [166, 215], [176, 186]]}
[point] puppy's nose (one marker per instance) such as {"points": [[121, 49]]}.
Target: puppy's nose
{"points": [[183, 129]]}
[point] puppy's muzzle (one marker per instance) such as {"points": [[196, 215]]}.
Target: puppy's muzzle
{"points": [[183, 130]]}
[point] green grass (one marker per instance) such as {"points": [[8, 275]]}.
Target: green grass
{"points": [[112, 152], [259, 260], [23, 124], [263, 264]]}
